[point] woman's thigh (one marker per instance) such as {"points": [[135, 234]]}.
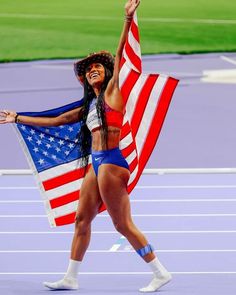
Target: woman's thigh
{"points": [[90, 199], [112, 181]]}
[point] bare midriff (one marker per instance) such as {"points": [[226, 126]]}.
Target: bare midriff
{"points": [[113, 139]]}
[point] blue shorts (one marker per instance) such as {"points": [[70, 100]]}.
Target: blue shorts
{"points": [[113, 156]]}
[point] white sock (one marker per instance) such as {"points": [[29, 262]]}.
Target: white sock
{"points": [[157, 268], [73, 269], [70, 280], [161, 276]]}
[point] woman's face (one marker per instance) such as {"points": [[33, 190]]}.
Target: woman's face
{"points": [[95, 74]]}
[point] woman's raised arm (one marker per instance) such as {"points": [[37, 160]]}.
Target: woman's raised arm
{"points": [[72, 116], [130, 7]]}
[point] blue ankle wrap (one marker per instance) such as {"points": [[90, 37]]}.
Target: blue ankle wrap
{"points": [[145, 250]]}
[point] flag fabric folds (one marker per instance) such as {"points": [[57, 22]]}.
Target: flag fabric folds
{"points": [[54, 152]]}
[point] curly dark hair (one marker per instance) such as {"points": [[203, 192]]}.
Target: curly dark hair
{"points": [[84, 135]]}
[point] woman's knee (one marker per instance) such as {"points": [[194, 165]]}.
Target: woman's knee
{"points": [[82, 225], [123, 227]]}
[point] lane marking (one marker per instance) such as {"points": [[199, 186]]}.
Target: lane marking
{"points": [[115, 232], [122, 273], [102, 18], [138, 187], [230, 60], [183, 186], [123, 251], [133, 215], [118, 244], [135, 201]]}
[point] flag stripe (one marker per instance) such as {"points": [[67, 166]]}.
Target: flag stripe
{"points": [[129, 84], [132, 56], [63, 200], [63, 179], [142, 102]]}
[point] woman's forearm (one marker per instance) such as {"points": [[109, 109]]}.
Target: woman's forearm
{"points": [[38, 121]]}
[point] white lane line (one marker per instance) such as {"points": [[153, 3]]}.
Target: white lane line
{"points": [[118, 244], [102, 18], [115, 232], [230, 60], [19, 188], [138, 187], [133, 201], [124, 251], [123, 273], [183, 186], [133, 215]]}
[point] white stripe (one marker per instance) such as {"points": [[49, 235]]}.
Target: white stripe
{"points": [[121, 273], [150, 111], [107, 18], [126, 141], [133, 175], [115, 248], [131, 157], [69, 209], [230, 60], [115, 232], [124, 72], [183, 186], [134, 44], [134, 95], [59, 170], [64, 189], [204, 200], [65, 209]]}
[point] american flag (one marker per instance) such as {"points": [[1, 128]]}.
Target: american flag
{"points": [[53, 152]]}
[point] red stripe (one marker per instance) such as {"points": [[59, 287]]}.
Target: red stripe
{"points": [[128, 150], [133, 57], [157, 122], [125, 130], [129, 84], [122, 62], [66, 219], [135, 32], [63, 200], [63, 179], [133, 165], [142, 102]]}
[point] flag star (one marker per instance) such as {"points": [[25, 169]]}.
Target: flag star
{"points": [[41, 135], [71, 129], [29, 138], [45, 153], [51, 139], [76, 140], [47, 130], [32, 131], [54, 157], [35, 149], [48, 145], [67, 153], [41, 161], [57, 134], [61, 142], [61, 127], [67, 137], [23, 127], [71, 145], [39, 142], [58, 149]]}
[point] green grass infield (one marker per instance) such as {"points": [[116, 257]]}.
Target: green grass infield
{"points": [[42, 29]]}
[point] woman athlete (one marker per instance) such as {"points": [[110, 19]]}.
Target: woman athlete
{"points": [[106, 179]]}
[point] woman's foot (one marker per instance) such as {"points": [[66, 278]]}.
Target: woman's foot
{"points": [[157, 282], [64, 284]]}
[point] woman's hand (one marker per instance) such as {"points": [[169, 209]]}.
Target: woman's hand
{"points": [[131, 6], [7, 117]]}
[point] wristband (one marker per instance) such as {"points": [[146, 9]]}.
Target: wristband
{"points": [[128, 18], [16, 118]]}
